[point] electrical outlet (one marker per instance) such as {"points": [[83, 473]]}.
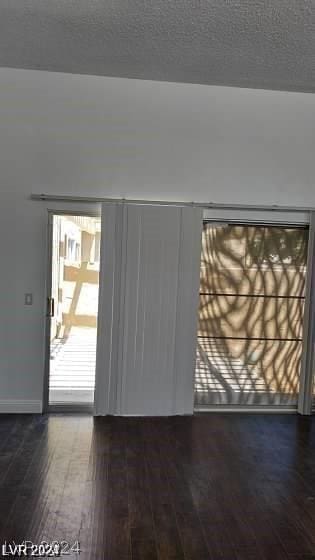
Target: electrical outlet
{"points": [[28, 299]]}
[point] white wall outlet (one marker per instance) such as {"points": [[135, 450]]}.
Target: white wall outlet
{"points": [[28, 299]]}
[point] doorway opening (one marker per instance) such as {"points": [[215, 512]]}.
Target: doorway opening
{"points": [[72, 308], [251, 307]]}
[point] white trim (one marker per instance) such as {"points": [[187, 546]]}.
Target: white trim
{"points": [[262, 215], [307, 367], [9, 406]]}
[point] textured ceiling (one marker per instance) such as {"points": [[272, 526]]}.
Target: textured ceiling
{"points": [[253, 43]]}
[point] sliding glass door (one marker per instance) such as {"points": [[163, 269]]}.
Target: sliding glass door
{"points": [[72, 309], [252, 291]]}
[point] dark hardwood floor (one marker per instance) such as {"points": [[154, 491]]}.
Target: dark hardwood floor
{"points": [[212, 486]]}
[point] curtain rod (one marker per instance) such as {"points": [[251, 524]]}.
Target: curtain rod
{"points": [[210, 205]]}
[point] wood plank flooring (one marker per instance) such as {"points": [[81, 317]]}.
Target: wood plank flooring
{"points": [[212, 486]]}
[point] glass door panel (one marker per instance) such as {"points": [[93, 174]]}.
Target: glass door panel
{"points": [[252, 289], [73, 308]]}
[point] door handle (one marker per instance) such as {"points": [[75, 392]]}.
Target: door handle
{"points": [[50, 307]]}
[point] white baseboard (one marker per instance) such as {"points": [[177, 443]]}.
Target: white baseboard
{"points": [[8, 406]]}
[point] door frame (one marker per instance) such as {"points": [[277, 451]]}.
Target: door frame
{"points": [[282, 218], [48, 287], [257, 215]]}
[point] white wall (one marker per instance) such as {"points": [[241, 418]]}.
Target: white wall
{"points": [[68, 134]]}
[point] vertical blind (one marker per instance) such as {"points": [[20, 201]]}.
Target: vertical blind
{"points": [[149, 283]]}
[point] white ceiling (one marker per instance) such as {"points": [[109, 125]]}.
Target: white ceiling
{"points": [[253, 43]]}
